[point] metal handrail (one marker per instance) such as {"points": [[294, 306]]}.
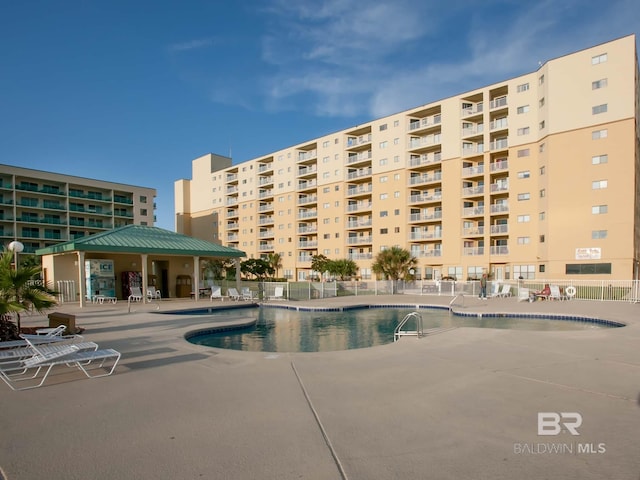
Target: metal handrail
{"points": [[418, 332]]}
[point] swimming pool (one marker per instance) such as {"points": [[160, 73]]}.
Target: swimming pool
{"points": [[289, 330]]}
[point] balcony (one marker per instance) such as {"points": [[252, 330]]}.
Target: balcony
{"points": [[231, 177], [473, 191], [231, 201], [307, 185], [233, 237], [360, 173], [308, 200], [473, 171], [473, 251], [265, 220], [265, 167], [501, 229], [502, 186], [232, 213], [425, 235], [498, 124], [427, 253], [499, 144], [473, 131], [265, 247], [233, 226], [360, 256], [308, 244], [425, 179], [266, 234], [354, 142], [426, 141], [359, 207], [473, 231], [265, 207], [309, 171], [305, 229], [470, 150], [307, 155], [473, 211], [304, 258], [265, 194], [425, 217], [262, 181], [425, 123], [424, 159], [359, 190], [360, 240], [472, 110], [499, 102], [499, 250], [232, 189], [425, 198], [355, 158], [499, 208], [355, 224], [499, 166], [307, 214]]}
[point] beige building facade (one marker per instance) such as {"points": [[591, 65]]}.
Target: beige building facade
{"points": [[41, 209], [533, 177]]}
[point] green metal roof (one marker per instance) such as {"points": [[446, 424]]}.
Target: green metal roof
{"points": [[142, 239]]}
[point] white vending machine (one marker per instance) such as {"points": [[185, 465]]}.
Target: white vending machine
{"points": [[101, 279]]}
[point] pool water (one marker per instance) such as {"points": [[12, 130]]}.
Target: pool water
{"points": [[284, 330]]}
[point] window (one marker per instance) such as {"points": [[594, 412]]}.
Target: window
{"points": [[599, 209], [326, 236], [543, 193], [523, 196], [542, 170], [384, 196], [599, 59], [524, 152], [143, 199], [523, 87], [325, 144], [396, 212], [523, 218], [383, 127], [599, 109], [598, 184], [325, 159], [384, 213], [523, 109], [384, 231], [541, 216], [541, 148], [599, 84], [383, 161], [383, 144], [143, 211], [396, 229], [541, 125], [597, 134], [396, 194], [588, 268], [598, 234], [524, 174], [326, 205], [384, 179], [541, 268], [541, 80], [541, 238], [326, 189], [541, 102], [598, 159], [523, 131], [524, 271]]}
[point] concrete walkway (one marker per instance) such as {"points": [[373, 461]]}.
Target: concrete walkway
{"points": [[458, 405]]}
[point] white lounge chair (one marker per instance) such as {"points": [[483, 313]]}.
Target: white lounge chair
{"points": [[556, 294], [233, 294], [524, 295], [153, 293], [505, 292], [495, 291], [70, 355], [216, 292], [136, 294], [278, 294], [12, 354], [246, 293], [53, 335]]}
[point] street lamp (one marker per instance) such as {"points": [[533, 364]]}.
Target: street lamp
{"points": [[16, 247]]}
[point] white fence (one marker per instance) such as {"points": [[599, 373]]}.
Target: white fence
{"points": [[66, 291]]}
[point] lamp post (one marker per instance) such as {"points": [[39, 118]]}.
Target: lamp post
{"points": [[16, 247]]}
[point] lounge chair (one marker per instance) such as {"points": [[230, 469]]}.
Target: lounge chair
{"points": [[136, 294], [53, 335], [524, 295], [505, 292], [278, 294], [556, 294], [246, 293], [216, 292], [153, 293], [543, 294], [495, 291], [70, 355], [233, 294], [12, 354]]}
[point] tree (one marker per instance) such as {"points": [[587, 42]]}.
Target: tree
{"points": [[394, 263], [217, 268], [20, 291], [343, 268], [275, 261], [319, 263], [257, 267]]}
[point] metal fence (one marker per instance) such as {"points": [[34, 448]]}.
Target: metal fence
{"points": [[595, 290]]}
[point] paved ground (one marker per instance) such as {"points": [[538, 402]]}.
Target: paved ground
{"points": [[456, 405]]}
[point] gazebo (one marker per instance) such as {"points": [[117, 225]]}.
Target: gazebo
{"points": [[160, 253]]}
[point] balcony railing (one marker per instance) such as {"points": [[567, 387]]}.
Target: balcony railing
{"points": [[363, 172], [498, 102], [473, 251], [473, 110], [360, 256], [499, 187], [500, 208], [472, 211], [501, 229], [425, 122], [436, 197], [308, 214], [427, 141], [359, 240], [364, 189], [500, 165], [475, 170], [425, 217], [426, 235], [308, 199], [359, 157], [499, 144], [422, 179], [500, 250], [308, 155], [424, 159], [356, 141], [478, 190], [359, 223], [473, 231], [427, 253], [359, 207]]}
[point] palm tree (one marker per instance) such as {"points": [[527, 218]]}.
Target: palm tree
{"points": [[394, 263], [275, 260], [342, 268], [20, 292]]}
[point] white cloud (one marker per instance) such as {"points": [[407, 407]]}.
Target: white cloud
{"points": [[190, 45]]}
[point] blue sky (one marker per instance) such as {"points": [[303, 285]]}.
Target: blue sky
{"points": [[131, 91]]}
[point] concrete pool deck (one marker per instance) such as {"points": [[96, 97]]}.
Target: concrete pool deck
{"points": [[456, 405]]}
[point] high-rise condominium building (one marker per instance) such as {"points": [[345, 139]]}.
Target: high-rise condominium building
{"points": [[40, 209], [533, 177]]}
